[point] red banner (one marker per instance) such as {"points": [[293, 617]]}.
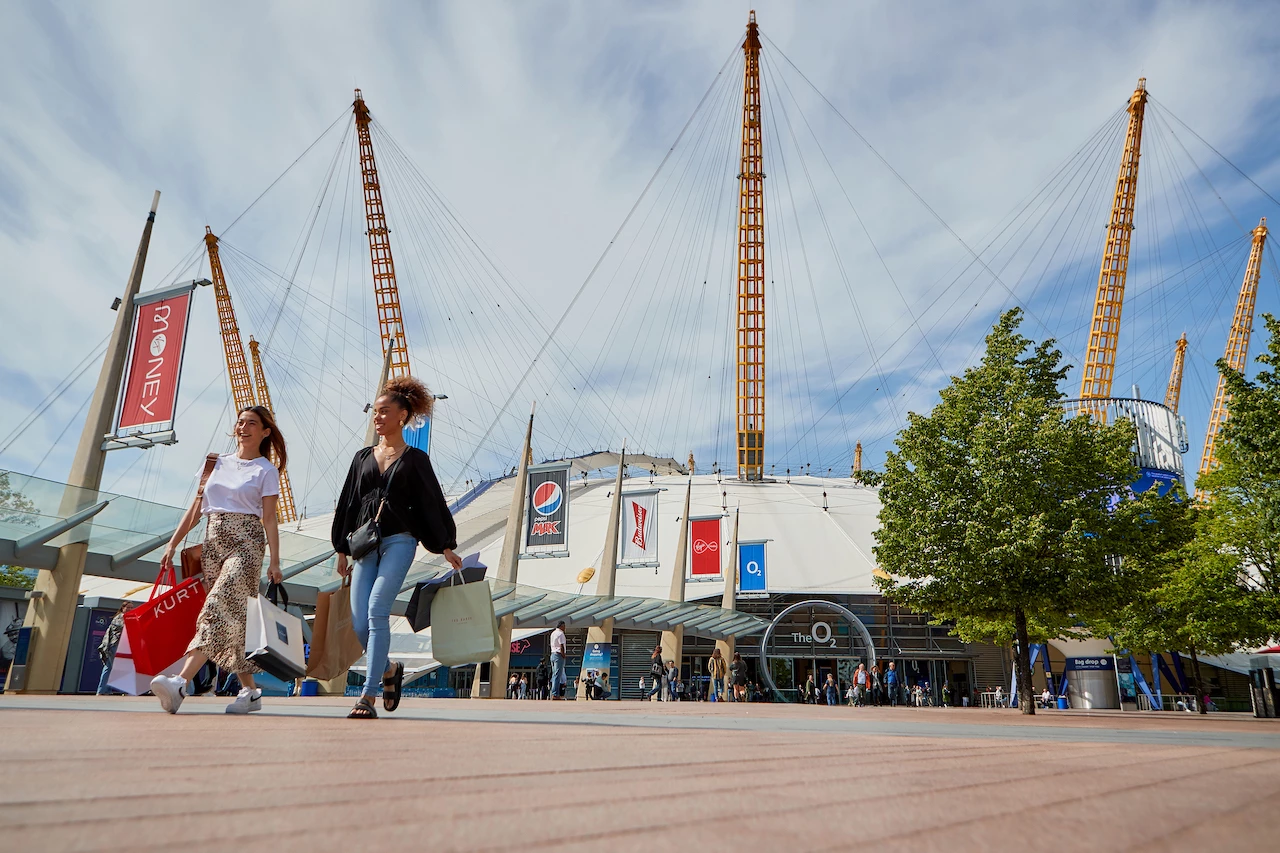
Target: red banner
{"points": [[150, 390], [704, 539]]}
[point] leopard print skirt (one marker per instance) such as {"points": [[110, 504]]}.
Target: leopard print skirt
{"points": [[234, 545]]}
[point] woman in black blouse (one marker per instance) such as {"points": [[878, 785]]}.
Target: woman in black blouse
{"points": [[415, 512]]}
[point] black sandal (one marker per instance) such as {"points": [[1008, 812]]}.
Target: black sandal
{"points": [[391, 686], [363, 710]]}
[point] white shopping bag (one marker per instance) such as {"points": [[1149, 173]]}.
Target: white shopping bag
{"points": [[464, 628], [125, 678], [273, 638]]}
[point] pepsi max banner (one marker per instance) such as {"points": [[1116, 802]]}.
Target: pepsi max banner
{"points": [[547, 514], [751, 571], [639, 528]]}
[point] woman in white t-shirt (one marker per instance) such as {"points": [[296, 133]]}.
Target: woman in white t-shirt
{"points": [[239, 503]]}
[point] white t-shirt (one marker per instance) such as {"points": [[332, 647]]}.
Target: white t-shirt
{"points": [[239, 485], [557, 641]]}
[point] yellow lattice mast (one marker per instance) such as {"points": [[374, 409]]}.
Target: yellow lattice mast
{"points": [[286, 510], [751, 268], [1173, 394], [237, 368], [1104, 333], [1237, 345], [232, 345], [386, 292]]}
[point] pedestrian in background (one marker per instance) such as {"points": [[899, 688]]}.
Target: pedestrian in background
{"points": [[673, 677], [717, 668], [891, 684], [557, 661], [860, 682], [107, 648], [833, 690], [542, 679], [657, 671], [238, 502], [738, 672], [809, 695], [877, 689]]}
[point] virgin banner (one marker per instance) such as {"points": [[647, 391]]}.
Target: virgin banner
{"points": [[639, 528], [547, 510], [704, 542], [150, 388]]}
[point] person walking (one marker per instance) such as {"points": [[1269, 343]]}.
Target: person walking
{"points": [[524, 686], [557, 661], [541, 679], [657, 671], [673, 676], [860, 681], [738, 673], [513, 683], [238, 502], [395, 485], [717, 669], [810, 694], [877, 688], [107, 648], [891, 684], [832, 690]]}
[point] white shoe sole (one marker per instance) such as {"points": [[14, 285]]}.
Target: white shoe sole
{"points": [[233, 708], [170, 699]]}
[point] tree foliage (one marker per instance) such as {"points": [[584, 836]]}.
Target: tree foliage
{"points": [[999, 514]]}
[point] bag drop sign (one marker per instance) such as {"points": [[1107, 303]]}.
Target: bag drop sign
{"points": [[150, 391]]}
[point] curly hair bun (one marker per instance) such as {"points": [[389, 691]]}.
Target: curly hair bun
{"points": [[411, 395]]}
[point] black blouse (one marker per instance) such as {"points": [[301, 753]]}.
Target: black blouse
{"points": [[415, 501]]}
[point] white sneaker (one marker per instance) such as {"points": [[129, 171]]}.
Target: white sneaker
{"points": [[170, 690], [246, 702]]}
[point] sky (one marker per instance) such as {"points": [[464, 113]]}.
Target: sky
{"points": [[514, 141]]}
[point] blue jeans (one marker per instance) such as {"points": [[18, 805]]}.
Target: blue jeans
{"points": [[103, 689], [833, 696], [557, 673], [375, 583]]}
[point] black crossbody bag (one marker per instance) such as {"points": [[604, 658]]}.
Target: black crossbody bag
{"points": [[367, 537]]}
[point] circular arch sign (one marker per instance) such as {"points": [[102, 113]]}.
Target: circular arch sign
{"points": [[817, 628]]}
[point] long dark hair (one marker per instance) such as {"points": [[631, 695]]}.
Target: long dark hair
{"points": [[272, 446]]}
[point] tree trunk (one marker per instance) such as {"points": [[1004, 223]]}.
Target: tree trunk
{"points": [[1022, 663], [1200, 691]]}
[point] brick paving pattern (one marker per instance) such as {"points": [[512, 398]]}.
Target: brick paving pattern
{"points": [[441, 775]]}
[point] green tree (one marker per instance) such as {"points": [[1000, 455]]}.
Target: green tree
{"points": [[995, 507], [1240, 523], [16, 576]]}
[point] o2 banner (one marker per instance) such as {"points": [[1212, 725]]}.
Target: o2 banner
{"points": [[150, 388], [546, 529], [751, 567], [639, 528], [704, 545]]}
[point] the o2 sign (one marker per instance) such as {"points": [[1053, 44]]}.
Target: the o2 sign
{"points": [[751, 564], [820, 634]]}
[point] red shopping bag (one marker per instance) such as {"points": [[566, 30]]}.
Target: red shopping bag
{"points": [[160, 630]]}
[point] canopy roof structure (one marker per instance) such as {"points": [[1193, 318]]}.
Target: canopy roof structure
{"points": [[125, 536]]}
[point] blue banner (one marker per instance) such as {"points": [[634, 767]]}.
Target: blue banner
{"points": [[420, 437], [751, 568], [1090, 664]]}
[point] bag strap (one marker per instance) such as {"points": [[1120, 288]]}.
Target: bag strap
{"points": [[165, 575], [210, 462], [277, 589]]}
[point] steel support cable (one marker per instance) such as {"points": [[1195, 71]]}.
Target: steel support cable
{"points": [[590, 275], [903, 181], [1223, 157], [690, 229], [857, 216], [1079, 158], [53, 396], [799, 366], [844, 275], [452, 251], [427, 192], [672, 191]]}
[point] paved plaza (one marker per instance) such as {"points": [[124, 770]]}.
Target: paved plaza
{"points": [[115, 773]]}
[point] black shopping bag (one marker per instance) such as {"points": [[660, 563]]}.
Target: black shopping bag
{"points": [[419, 610]]}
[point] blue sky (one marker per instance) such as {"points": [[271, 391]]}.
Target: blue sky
{"points": [[541, 124]]}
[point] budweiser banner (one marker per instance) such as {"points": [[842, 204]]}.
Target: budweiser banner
{"points": [[639, 528], [150, 388], [704, 547], [547, 510]]}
